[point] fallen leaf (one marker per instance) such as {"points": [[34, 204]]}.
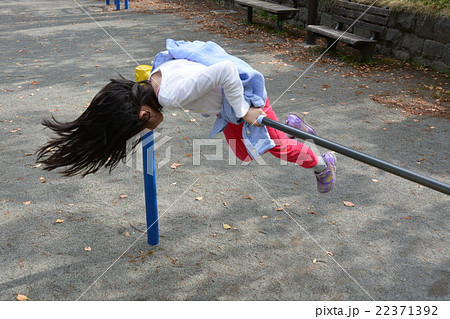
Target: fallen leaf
{"points": [[198, 198], [174, 165], [287, 205], [42, 179], [15, 130], [87, 248], [59, 221], [22, 297], [96, 66], [408, 217], [375, 180], [330, 253], [174, 260], [192, 120], [279, 209], [37, 165], [265, 217], [349, 204], [225, 204], [305, 113], [123, 196], [314, 260], [249, 197], [28, 202], [226, 226], [127, 234], [34, 82]]}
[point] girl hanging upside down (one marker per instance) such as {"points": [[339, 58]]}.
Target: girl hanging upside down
{"points": [[196, 76]]}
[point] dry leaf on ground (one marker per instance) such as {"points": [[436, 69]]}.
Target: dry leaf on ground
{"points": [[174, 165], [226, 226], [87, 248], [22, 297], [59, 221], [348, 204]]}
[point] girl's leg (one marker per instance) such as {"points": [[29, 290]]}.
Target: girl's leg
{"points": [[287, 149], [233, 135], [294, 151]]}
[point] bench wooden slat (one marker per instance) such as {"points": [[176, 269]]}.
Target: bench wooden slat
{"points": [[267, 6], [349, 38], [364, 25], [375, 19], [363, 7]]}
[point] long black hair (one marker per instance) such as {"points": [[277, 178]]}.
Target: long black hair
{"points": [[98, 138]]}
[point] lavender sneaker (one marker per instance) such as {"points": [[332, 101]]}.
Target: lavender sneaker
{"points": [[295, 121], [326, 179]]}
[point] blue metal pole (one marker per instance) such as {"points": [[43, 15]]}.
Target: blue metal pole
{"points": [[107, 2], [117, 4], [126, 4], [151, 203]]}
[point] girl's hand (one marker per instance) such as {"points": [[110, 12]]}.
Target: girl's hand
{"points": [[252, 115]]}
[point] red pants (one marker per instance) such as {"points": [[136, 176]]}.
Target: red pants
{"points": [[286, 149]]}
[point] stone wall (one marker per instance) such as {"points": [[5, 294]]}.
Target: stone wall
{"points": [[424, 40]]}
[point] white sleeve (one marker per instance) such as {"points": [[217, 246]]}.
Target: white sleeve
{"points": [[224, 74]]}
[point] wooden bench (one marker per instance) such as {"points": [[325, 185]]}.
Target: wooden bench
{"points": [[350, 15], [283, 12]]}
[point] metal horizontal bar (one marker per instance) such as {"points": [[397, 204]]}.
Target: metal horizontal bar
{"points": [[362, 157]]}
